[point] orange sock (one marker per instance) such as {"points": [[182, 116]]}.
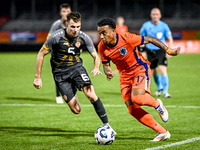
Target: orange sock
{"points": [[146, 99], [145, 118]]}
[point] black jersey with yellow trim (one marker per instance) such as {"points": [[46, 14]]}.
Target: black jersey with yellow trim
{"points": [[65, 51]]}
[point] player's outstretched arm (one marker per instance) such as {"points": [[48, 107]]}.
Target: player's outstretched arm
{"points": [[96, 70], [108, 71], [161, 45], [38, 81]]}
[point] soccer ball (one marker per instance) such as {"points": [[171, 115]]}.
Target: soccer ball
{"points": [[104, 135]]}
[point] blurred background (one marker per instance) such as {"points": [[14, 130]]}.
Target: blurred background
{"points": [[24, 24]]}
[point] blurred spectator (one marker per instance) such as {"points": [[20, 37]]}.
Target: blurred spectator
{"points": [[120, 26], [61, 23]]}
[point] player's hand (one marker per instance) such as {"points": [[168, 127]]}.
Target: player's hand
{"points": [[168, 56], [110, 75], [96, 72], [173, 52], [37, 83]]}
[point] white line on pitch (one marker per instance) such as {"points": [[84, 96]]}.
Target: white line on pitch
{"points": [[88, 105], [174, 144]]}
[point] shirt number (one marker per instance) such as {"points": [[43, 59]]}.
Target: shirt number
{"points": [[71, 50], [85, 77]]}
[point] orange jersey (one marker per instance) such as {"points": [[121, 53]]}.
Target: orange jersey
{"points": [[124, 53], [133, 69], [121, 29]]}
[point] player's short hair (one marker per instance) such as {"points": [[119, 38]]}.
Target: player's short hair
{"points": [[75, 16], [107, 21], [65, 5]]}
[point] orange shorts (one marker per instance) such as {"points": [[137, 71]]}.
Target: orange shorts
{"points": [[137, 78]]}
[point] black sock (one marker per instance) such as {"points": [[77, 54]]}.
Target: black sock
{"points": [[100, 110]]}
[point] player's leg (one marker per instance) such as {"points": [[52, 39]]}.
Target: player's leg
{"points": [[139, 97], [74, 105], [144, 54], [157, 79], [96, 102], [153, 58], [144, 117], [140, 93], [164, 75], [58, 97], [68, 91], [84, 83]]}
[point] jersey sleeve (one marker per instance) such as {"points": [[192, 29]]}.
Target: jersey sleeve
{"points": [[48, 43], [167, 31], [53, 39], [88, 43], [135, 40], [101, 50]]}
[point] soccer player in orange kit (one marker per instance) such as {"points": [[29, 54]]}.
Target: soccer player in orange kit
{"points": [[134, 72]]}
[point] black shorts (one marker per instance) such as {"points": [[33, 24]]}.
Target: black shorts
{"points": [[141, 49], [69, 82], [156, 57]]}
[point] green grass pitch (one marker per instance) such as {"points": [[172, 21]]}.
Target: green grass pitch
{"points": [[30, 119]]}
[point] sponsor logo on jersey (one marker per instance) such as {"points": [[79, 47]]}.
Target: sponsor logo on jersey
{"points": [[123, 51], [78, 44], [66, 43]]}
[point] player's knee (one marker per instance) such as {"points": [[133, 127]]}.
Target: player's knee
{"points": [[74, 105], [88, 96], [91, 96], [138, 99], [76, 111], [133, 109], [90, 93], [137, 112]]}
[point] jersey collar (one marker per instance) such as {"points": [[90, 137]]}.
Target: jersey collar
{"points": [[117, 36]]}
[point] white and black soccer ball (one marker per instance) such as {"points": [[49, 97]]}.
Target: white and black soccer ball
{"points": [[104, 135]]}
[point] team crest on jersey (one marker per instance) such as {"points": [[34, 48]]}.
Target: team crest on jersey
{"points": [[159, 35], [78, 44], [123, 51]]}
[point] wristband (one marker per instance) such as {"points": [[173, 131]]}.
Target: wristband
{"points": [[168, 51]]}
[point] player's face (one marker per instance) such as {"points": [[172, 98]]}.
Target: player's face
{"points": [[155, 15], [64, 12], [107, 35], [73, 28]]}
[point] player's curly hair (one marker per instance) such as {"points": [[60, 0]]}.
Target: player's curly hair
{"points": [[75, 16], [107, 21]]}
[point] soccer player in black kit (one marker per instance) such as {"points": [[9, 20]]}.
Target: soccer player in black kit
{"points": [[67, 68], [60, 24]]}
